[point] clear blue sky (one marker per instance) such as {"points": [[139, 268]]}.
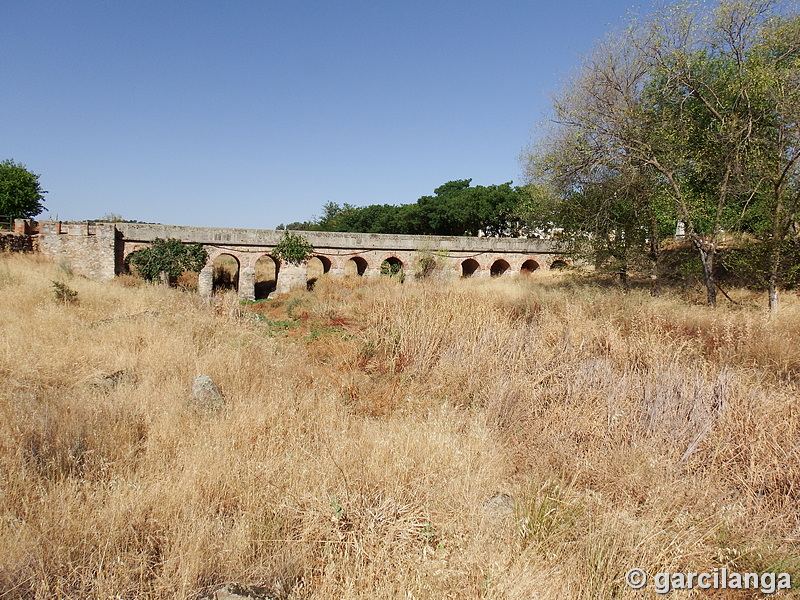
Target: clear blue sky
{"points": [[251, 114]]}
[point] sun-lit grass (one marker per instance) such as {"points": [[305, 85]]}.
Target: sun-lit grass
{"points": [[367, 427]]}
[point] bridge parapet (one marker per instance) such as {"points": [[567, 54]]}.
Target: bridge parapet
{"points": [[141, 232]]}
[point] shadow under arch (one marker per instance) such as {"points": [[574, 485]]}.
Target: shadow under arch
{"points": [[225, 270], [316, 267], [469, 267], [528, 267], [355, 267], [266, 276], [499, 267]]}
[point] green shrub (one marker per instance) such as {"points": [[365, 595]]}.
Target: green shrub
{"points": [[293, 248], [169, 257], [64, 293], [427, 262], [391, 269]]}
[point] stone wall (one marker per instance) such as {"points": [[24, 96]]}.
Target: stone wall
{"points": [[89, 249], [15, 242]]}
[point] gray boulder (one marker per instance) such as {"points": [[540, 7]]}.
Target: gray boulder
{"points": [[499, 506], [206, 394]]}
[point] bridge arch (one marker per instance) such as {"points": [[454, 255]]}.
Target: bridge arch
{"points": [[469, 267], [392, 266], [559, 264], [127, 250], [355, 266], [499, 267], [316, 267], [266, 276], [130, 249], [225, 272], [529, 266]]}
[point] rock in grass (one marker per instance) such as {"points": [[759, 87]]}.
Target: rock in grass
{"points": [[499, 506], [235, 591], [206, 394]]}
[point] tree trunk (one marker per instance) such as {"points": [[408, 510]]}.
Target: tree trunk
{"points": [[654, 255], [708, 274], [707, 252], [623, 276], [773, 296], [774, 277], [655, 276], [779, 230]]}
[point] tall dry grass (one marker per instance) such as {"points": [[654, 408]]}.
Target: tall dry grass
{"points": [[499, 439]]}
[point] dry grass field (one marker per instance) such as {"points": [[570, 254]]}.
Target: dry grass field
{"points": [[500, 439]]}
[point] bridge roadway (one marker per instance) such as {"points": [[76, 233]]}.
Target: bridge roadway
{"points": [[98, 250]]}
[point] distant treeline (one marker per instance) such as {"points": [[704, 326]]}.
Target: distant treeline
{"points": [[454, 209]]}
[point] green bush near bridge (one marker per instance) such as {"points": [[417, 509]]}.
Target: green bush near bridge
{"points": [[167, 259], [293, 248]]}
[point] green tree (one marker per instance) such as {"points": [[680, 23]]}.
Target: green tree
{"points": [[299, 226], [456, 208], [167, 259], [293, 248], [459, 209], [21, 195], [613, 218], [671, 99], [772, 173]]}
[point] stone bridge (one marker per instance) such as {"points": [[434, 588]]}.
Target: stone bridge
{"points": [[98, 250]]}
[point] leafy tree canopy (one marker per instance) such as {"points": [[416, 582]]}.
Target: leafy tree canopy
{"points": [[169, 258], [456, 208], [298, 226], [689, 115], [21, 195]]}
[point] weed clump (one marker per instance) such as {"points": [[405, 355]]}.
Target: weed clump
{"points": [[64, 293]]}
